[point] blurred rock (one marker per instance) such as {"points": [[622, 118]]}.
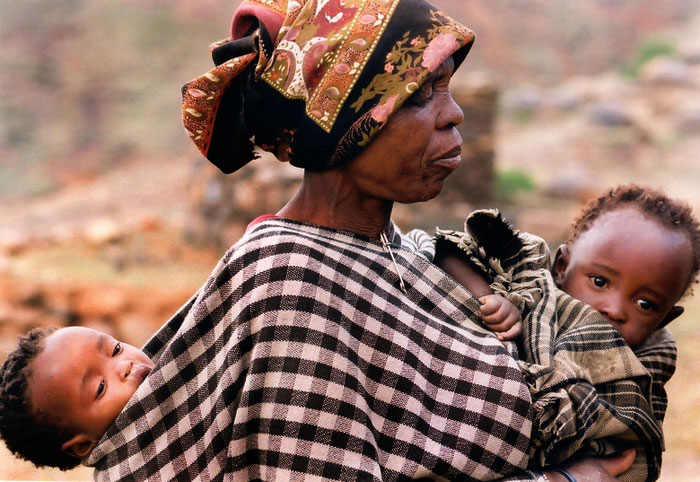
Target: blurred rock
{"points": [[690, 52], [567, 99], [103, 230], [576, 184], [667, 71], [17, 315], [101, 325], [579, 91], [523, 99], [477, 95], [101, 303], [134, 329], [217, 201], [689, 119], [59, 300], [149, 222], [13, 242], [610, 114]]}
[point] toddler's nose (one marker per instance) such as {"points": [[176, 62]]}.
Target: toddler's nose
{"points": [[613, 309]]}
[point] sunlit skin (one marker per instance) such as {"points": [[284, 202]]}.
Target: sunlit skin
{"points": [[408, 161], [419, 147], [629, 268], [81, 380]]}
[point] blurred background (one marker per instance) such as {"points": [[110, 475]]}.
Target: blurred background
{"points": [[111, 219]]}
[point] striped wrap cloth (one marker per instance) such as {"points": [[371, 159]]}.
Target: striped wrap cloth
{"points": [[591, 393], [301, 358]]}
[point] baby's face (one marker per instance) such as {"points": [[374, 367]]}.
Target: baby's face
{"points": [[629, 268], [83, 378]]}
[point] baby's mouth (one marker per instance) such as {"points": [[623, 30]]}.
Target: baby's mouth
{"points": [[139, 372]]}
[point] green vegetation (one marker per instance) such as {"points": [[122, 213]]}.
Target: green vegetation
{"points": [[509, 183], [647, 50], [523, 116]]}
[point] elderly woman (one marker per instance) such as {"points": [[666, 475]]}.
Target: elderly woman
{"points": [[326, 345]]}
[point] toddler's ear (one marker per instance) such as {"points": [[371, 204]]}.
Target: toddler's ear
{"points": [[673, 313], [561, 262], [78, 446]]}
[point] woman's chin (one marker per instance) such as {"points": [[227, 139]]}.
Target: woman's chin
{"points": [[426, 194]]}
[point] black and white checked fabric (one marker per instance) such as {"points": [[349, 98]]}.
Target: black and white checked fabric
{"points": [[300, 358], [590, 392]]}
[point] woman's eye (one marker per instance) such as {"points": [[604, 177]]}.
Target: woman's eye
{"points": [[423, 95], [646, 305], [599, 281], [100, 389], [117, 349]]}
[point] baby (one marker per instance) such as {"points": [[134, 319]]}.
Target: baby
{"points": [[632, 256], [60, 389]]}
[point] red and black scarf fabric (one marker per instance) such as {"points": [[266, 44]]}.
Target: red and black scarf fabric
{"points": [[313, 81]]}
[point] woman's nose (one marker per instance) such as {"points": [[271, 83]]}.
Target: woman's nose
{"points": [[451, 114]]}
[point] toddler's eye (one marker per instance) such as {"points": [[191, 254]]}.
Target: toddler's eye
{"points": [[100, 389], [646, 305], [599, 281], [117, 349]]}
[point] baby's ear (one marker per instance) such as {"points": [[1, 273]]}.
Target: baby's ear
{"points": [[561, 262], [672, 314], [78, 446]]}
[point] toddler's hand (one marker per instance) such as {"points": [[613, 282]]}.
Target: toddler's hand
{"points": [[501, 316]]}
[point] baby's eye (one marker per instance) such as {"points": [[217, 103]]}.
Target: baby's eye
{"points": [[646, 305], [100, 389], [599, 281], [117, 349]]}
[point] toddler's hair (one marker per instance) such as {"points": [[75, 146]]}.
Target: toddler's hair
{"points": [[29, 435], [670, 213]]}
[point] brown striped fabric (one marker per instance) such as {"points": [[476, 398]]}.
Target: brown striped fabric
{"points": [[591, 392]]}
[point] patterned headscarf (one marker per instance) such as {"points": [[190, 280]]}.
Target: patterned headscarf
{"points": [[312, 81]]}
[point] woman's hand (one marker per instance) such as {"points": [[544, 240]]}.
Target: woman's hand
{"points": [[596, 469], [500, 316]]}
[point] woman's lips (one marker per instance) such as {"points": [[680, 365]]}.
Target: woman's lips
{"points": [[450, 159]]}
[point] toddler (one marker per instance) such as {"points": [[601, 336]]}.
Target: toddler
{"points": [[61, 388], [632, 256]]}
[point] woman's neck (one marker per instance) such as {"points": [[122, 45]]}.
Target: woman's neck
{"points": [[326, 199]]}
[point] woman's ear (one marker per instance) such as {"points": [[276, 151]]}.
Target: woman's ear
{"points": [[561, 262], [78, 446]]}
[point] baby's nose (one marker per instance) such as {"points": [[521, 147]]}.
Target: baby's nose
{"points": [[124, 369]]}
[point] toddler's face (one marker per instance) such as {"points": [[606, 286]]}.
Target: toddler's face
{"points": [[83, 378], [629, 268]]}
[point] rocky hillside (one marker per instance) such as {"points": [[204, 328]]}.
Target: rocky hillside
{"points": [[89, 85]]}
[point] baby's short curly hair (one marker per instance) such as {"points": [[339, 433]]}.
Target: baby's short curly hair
{"points": [[670, 213], [27, 434]]}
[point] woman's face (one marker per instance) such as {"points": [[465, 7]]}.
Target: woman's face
{"points": [[410, 158]]}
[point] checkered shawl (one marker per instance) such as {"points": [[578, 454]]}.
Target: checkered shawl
{"points": [[590, 391], [301, 358]]}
